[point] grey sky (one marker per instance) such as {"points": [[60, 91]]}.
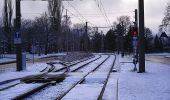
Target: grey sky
{"points": [[154, 10]]}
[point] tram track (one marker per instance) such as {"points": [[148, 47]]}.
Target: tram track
{"points": [[82, 79], [49, 70], [46, 84]]}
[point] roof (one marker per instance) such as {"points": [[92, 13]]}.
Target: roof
{"points": [[164, 35]]}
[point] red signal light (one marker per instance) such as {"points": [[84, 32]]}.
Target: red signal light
{"points": [[135, 33]]}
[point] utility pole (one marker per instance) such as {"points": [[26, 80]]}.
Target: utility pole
{"points": [[136, 18], [86, 27], [141, 37], [136, 26], [122, 39], [86, 37], [66, 30], [102, 41], [18, 35], [66, 16]]}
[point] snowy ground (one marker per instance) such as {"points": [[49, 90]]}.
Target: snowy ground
{"points": [[122, 85], [128, 85]]}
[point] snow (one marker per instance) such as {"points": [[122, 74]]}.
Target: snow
{"points": [[3, 60], [93, 65], [93, 82], [15, 75], [96, 77], [80, 64], [105, 67], [9, 84], [10, 73], [37, 67], [36, 56], [111, 89], [84, 92], [12, 57], [51, 92], [17, 90], [152, 85], [126, 84]]}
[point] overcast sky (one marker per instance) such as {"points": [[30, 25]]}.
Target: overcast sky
{"points": [[154, 10]]}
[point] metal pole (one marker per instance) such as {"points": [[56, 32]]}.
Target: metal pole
{"points": [[122, 39], [85, 45], [66, 30], [18, 46], [141, 37], [136, 18], [136, 25]]}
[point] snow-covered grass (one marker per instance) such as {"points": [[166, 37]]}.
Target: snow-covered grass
{"points": [[30, 56], [12, 57], [152, 85]]}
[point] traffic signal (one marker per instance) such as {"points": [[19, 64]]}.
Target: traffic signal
{"points": [[135, 31]]}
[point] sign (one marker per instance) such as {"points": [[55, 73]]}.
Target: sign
{"points": [[17, 38], [135, 41]]}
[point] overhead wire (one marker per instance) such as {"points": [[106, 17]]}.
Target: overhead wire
{"points": [[80, 13], [105, 12], [74, 15], [100, 9]]}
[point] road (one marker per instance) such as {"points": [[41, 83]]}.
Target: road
{"points": [[158, 58]]}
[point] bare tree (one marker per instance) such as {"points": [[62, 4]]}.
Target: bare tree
{"points": [[1, 22], [44, 24], [26, 28], [166, 19], [125, 23], [55, 12], [7, 22], [148, 39]]}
